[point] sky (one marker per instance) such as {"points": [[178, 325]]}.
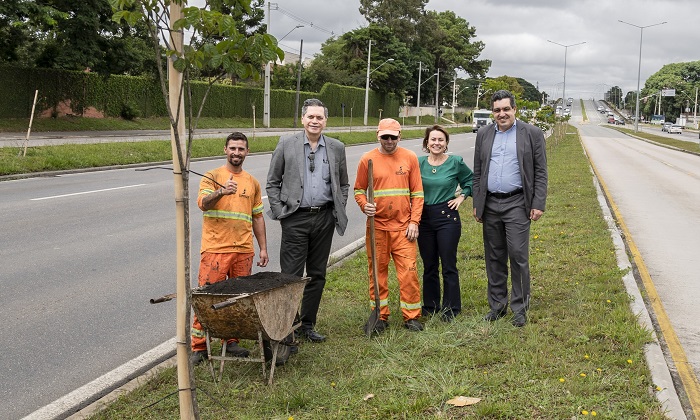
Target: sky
{"points": [[516, 34]]}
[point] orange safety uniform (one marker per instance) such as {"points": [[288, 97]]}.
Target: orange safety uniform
{"points": [[227, 234], [398, 195]]}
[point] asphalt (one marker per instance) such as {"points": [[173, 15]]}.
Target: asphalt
{"points": [[17, 139]]}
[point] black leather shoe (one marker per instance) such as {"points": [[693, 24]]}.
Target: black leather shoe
{"points": [[198, 357], [413, 325], [494, 315], [312, 335], [234, 350], [519, 320], [448, 317]]}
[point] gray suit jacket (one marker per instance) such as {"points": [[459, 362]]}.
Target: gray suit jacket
{"points": [[532, 159], [285, 178]]}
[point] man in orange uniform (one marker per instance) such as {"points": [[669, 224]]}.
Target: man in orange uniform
{"points": [[231, 200], [397, 209]]}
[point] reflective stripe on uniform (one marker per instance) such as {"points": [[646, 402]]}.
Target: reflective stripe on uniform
{"points": [[223, 214], [410, 306], [198, 333], [382, 302], [392, 192]]}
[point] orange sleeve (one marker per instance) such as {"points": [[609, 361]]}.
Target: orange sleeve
{"points": [[360, 188], [417, 196]]}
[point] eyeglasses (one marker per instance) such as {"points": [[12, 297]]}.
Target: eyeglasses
{"points": [[312, 157], [498, 110], [388, 137]]}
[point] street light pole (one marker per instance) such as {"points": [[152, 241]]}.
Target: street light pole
{"points": [[639, 68], [296, 101], [369, 56], [266, 90], [566, 48], [437, 96], [420, 72], [695, 109], [369, 51]]}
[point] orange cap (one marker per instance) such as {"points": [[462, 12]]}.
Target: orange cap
{"points": [[389, 126]]}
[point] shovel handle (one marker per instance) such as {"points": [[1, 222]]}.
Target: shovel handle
{"points": [[163, 298], [372, 242], [229, 302]]}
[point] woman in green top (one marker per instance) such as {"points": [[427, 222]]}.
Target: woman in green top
{"points": [[440, 226]]}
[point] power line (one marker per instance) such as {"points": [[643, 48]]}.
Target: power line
{"points": [[306, 22]]}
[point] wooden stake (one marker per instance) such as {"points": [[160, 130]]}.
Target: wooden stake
{"points": [[31, 120]]}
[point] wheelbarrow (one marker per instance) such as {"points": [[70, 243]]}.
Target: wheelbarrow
{"points": [[260, 307]]}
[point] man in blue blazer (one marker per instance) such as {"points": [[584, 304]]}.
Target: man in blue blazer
{"points": [[307, 188], [510, 191]]}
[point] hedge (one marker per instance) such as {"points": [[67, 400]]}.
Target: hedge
{"points": [[109, 94]]}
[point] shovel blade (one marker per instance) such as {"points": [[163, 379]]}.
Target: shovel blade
{"points": [[372, 322]]}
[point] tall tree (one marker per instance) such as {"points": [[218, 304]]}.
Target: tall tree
{"points": [[683, 77], [450, 40], [344, 60], [401, 16], [530, 92]]}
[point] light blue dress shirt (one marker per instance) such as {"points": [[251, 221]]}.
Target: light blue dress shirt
{"points": [[504, 171]]}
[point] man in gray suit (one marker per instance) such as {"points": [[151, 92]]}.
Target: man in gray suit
{"points": [[307, 188], [510, 191]]}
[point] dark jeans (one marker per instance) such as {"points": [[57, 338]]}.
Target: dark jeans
{"points": [[438, 237], [306, 243]]}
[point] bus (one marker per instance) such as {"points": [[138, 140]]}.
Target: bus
{"points": [[658, 119], [480, 118]]}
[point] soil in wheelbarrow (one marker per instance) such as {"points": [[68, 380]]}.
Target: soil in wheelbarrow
{"points": [[250, 284]]}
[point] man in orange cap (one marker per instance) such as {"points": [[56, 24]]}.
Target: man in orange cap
{"points": [[397, 209]]}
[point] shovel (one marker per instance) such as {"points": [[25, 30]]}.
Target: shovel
{"points": [[374, 316]]}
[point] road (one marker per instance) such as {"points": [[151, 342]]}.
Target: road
{"points": [[83, 253], [657, 191]]}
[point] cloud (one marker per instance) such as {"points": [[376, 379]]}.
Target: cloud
{"points": [[515, 33]]}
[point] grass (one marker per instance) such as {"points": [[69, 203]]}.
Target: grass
{"points": [[680, 144], [582, 350], [79, 156], [117, 124]]}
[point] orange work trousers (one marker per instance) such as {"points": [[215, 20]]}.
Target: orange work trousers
{"points": [[214, 268], [395, 245]]}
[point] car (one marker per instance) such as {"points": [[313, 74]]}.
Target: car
{"points": [[601, 109], [619, 121], [611, 120], [675, 128], [665, 126]]}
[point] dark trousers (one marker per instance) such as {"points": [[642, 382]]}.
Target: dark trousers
{"points": [[507, 238], [438, 237], [306, 243]]}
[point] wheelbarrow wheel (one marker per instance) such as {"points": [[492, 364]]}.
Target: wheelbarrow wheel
{"points": [[283, 350]]}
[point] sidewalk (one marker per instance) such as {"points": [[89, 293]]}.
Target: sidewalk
{"points": [[53, 138]]}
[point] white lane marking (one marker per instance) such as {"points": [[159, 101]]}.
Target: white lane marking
{"points": [[86, 192]]}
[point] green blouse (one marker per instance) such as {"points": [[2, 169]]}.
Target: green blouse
{"points": [[440, 182]]}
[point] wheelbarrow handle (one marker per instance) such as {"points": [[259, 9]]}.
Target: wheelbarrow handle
{"points": [[164, 298], [229, 302]]}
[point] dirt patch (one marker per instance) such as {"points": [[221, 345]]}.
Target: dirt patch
{"points": [[63, 109], [249, 284]]}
